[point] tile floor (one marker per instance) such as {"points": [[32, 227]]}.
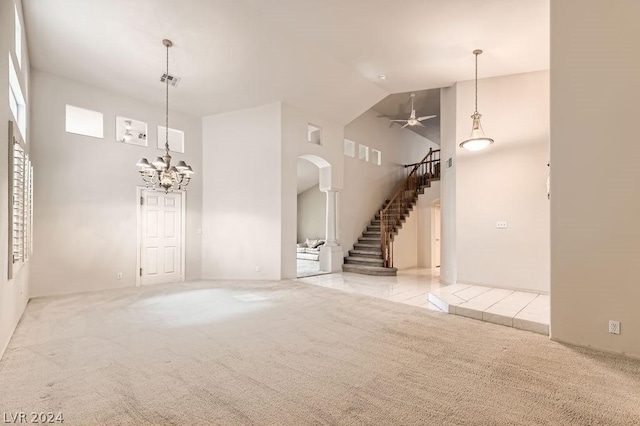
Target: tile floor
{"points": [[519, 309], [422, 287], [411, 286], [307, 268]]}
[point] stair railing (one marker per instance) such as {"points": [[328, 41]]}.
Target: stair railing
{"points": [[391, 215]]}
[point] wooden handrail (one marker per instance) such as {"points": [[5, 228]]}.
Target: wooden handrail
{"points": [[392, 214], [406, 166]]}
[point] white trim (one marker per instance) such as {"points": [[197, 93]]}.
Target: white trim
{"points": [[183, 226]]}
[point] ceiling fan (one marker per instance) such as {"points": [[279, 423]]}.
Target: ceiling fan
{"points": [[412, 120]]}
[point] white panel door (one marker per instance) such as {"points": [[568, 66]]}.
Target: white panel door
{"points": [[161, 237]]}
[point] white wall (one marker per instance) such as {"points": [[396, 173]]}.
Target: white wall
{"points": [[14, 293], [506, 181], [425, 219], [85, 189], [449, 143], [312, 214], [241, 222], [249, 221], [412, 245], [366, 185], [405, 244], [294, 143], [595, 157]]}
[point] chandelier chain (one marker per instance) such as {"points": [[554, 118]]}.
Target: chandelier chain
{"points": [[166, 111]]}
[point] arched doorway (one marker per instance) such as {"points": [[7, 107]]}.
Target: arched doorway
{"points": [[317, 216]]}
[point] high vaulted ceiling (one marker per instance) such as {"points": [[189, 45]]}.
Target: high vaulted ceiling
{"points": [[322, 55], [426, 102]]}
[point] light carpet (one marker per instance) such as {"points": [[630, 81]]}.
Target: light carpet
{"points": [[286, 353]]}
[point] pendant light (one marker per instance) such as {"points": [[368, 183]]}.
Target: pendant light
{"points": [[160, 174], [478, 141]]}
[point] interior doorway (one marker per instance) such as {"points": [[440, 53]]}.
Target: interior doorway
{"points": [[160, 237], [435, 234], [311, 227]]}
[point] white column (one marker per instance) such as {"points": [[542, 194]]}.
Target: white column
{"points": [[332, 216], [338, 217], [331, 255]]}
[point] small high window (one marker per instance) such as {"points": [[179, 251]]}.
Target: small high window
{"points": [[18, 37], [17, 103], [176, 139], [13, 103], [85, 122]]}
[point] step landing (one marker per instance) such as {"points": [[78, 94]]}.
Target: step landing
{"points": [[517, 309]]}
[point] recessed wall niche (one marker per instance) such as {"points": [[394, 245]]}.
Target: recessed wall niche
{"points": [[376, 157], [83, 121], [130, 131], [176, 139], [349, 148], [314, 134], [363, 152]]}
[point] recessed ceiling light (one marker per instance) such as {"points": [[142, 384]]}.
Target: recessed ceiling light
{"points": [[382, 77]]}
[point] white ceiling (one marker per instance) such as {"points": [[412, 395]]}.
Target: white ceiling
{"points": [[320, 55]]}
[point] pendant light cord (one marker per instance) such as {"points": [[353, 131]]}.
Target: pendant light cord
{"points": [[166, 112], [476, 55]]}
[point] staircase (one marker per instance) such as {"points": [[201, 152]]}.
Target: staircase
{"points": [[373, 253]]}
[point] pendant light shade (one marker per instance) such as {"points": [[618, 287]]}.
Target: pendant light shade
{"points": [[477, 141]]}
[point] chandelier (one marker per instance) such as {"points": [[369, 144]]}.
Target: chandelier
{"points": [[478, 140], [160, 174]]}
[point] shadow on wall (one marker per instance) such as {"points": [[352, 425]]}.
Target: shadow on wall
{"points": [[311, 201]]}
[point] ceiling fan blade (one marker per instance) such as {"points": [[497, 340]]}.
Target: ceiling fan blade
{"points": [[420, 124], [399, 120], [426, 117], [405, 125]]}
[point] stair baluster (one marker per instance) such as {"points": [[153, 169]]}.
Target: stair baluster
{"points": [[372, 254], [393, 213]]}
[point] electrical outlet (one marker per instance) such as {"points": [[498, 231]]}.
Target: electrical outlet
{"points": [[501, 224], [614, 327], [257, 269], [119, 276]]}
